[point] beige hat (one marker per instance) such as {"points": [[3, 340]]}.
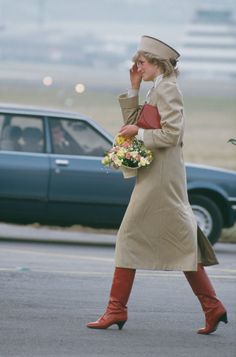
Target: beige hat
{"points": [[157, 47]]}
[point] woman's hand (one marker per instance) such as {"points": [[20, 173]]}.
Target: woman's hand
{"points": [[135, 77], [129, 130]]}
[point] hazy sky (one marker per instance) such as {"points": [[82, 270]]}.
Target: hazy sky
{"points": [[154, 11], [115, 22], [124, 20]]}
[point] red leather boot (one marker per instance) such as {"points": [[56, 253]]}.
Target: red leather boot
{"points": [[116, 312], [212, 307]]}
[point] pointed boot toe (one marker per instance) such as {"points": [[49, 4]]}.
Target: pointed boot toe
{"points": [[212, 323], [108, 320]]}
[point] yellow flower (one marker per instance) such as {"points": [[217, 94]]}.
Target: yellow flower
{"points": [[106, 160], [120, 140]]}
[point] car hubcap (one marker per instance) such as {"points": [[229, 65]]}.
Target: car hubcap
{"points": [[204, 219]]}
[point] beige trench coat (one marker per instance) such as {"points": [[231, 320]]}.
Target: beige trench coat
{"points": [[159, 230]]}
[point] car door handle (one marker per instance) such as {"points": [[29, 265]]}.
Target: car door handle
{"points": [[61, 162]]}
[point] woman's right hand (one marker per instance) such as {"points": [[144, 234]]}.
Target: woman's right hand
{"points": [[135, 77]]}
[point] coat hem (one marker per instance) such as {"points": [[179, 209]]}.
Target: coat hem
{"points": [[169, 268]]}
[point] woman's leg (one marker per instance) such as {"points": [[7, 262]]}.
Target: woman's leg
{"points": [[212, 307], [116, 312]]}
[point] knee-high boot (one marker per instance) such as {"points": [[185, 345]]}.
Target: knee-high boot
{"points": [[116, 312], [212, 307]]}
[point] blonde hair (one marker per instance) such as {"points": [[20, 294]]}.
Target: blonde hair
{"points": [[168, 66]]}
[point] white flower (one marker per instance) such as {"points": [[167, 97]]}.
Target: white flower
{"points": [[143, 162]]}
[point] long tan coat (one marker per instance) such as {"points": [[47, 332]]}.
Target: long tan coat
{"points": [[159, 230]]}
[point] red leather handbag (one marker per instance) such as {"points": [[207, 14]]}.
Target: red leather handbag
{"points": [[149, 117]]}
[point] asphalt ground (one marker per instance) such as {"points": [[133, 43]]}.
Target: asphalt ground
{"points": [[54, 280], [27, 233], [48, 292]]}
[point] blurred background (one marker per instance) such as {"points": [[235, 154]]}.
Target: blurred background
{"points": [[75, 55]]}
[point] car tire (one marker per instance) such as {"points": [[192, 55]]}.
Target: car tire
{"points": [[208, 216]]}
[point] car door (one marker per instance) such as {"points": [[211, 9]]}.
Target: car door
{"points": [[82, 190], [24, 166]]}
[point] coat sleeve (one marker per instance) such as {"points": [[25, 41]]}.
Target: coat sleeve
{"points": [[170, 107], [129, 107]]}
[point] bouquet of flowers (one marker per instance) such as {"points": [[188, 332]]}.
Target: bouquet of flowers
{"points": [[128, 154]]}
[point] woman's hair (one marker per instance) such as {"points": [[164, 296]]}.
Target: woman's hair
{"points": [[168, 66]]}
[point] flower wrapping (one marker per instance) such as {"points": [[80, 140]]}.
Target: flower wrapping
{"points": [[128, 154]]}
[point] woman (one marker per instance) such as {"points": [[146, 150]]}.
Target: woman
{"points": [[159, 231]]}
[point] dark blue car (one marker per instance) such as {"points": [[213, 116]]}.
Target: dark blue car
{"points": [[51, 172]]}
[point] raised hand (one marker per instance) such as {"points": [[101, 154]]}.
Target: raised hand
{"points": [[135, 77]]}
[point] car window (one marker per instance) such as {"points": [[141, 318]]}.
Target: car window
{"points": [[76, 137], [21, 133]]}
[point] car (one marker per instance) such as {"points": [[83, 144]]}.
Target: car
{"points": [[51, 173]]}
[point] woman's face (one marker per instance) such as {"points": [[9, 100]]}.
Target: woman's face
{"points": [[147, 70]]}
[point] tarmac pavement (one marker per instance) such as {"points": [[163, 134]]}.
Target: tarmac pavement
{"points": [[46, 234], [50, 291]]}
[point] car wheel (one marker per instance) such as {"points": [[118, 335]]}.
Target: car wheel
{"points": [[208, 215]]}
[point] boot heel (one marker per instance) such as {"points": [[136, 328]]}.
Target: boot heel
{"points": [[121, 324], [224, 318]]}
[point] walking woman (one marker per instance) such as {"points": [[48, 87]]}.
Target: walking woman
{"points": [[159, 230]]}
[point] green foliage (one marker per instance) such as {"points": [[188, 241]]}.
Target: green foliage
{"points": [[232, 141]]}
